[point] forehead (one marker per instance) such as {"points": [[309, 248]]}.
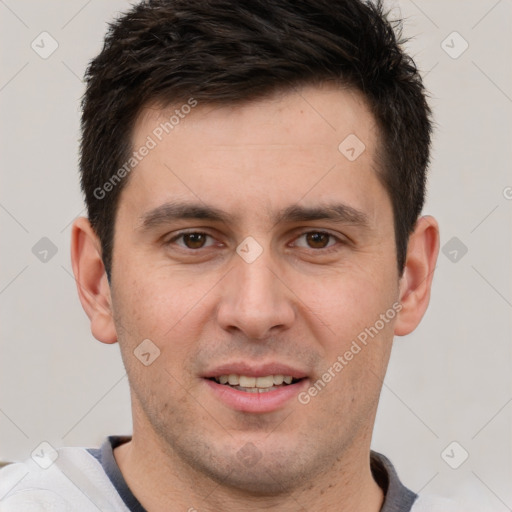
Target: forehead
{"points": [[305, 145], [325, 113]]}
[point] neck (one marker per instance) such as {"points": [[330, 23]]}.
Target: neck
{"points": [[161, 480]]}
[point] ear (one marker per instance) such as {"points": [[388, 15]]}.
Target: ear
{"points": [[416, 280], [91, 280]]}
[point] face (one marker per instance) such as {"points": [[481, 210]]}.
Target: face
{"points": [[248, 244]]}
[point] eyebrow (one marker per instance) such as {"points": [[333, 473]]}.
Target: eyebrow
{"points": [[169, 212]]}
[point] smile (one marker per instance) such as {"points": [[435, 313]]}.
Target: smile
{"points": [[255, 384], [246, 394]]}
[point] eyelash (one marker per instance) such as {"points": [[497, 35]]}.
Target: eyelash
{"points": [[325, 250]]}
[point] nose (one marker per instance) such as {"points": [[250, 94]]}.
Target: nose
{"points": [[255, 299]]}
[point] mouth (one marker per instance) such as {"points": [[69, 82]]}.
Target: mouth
{"points": [[249, 384], [251, 388]]}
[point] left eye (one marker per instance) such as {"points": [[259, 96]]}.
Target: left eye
{"points": [[317, 240]]}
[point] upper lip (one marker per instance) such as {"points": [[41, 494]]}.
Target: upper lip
{"points": [[254, 370]]}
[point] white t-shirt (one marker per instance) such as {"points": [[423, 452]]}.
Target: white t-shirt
{"points": [[89, 480]]}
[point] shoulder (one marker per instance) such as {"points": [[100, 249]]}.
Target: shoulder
{"points": [[432, 503], [399, 497], [68, 479]]}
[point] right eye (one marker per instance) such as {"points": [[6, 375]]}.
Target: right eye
{"points": [[192, 240]]}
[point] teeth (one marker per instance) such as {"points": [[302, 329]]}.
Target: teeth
{"points": [[247, 382], [253, 390], [254, 382], [265, 382]]}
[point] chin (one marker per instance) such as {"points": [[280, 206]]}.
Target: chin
{"points": [[263, 481]]}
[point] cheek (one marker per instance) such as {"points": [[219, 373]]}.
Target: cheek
{"points": [[164, 311], [161, 304], [350, 301], [357, 344]]}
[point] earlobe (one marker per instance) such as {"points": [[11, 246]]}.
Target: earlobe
{"points": [[416, 281], [91, 280]]}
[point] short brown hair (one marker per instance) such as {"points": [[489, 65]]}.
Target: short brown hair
{"points": [[227, 51]]}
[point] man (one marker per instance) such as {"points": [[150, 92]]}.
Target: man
{"points": [[254, 174]]}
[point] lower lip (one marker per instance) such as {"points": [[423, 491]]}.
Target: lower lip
{"points": [[256, 402]]}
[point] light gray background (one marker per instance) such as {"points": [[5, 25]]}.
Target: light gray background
{"points": [[448, 381]]}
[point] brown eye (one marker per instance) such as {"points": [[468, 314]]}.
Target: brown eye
{"points": [[320, 241], [317, 240], [194, 240]]}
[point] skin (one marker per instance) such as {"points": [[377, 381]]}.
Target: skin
{"points": [[301, 302]]}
